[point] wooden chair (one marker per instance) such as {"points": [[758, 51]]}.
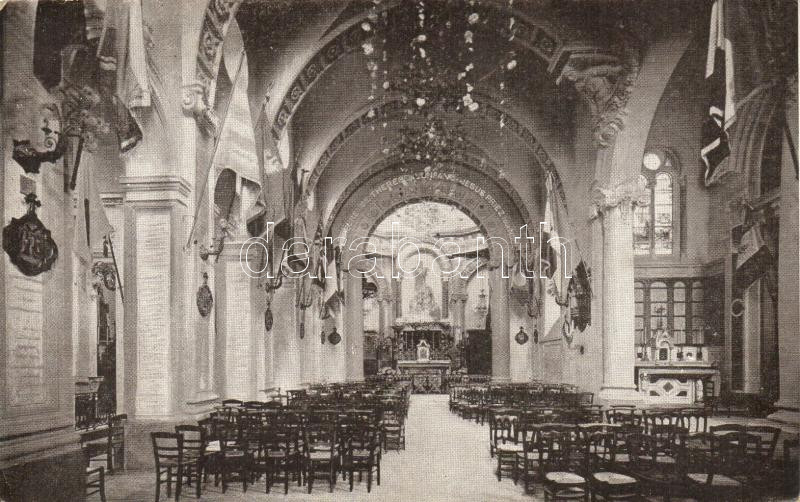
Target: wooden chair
{"points": [[561, 459], [96, 482], [394, 431], [320, 450], [276, 445], [714, 476], [604, 477], [527, 461], [168, 453], [362, 454], [108, 444], [648, 467], [506, 446], [233, 457], [194, 454]]}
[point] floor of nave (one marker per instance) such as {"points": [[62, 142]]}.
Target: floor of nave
{"points": [[446, 458]]}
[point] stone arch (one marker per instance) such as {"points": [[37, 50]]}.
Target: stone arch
{"points": [[488, 111], [478, 196]]}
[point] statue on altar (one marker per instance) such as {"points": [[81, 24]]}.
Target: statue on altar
{"points": [[423, 351], [424, 302]]}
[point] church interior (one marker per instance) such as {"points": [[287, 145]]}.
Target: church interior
{"points": [[399, 250]]}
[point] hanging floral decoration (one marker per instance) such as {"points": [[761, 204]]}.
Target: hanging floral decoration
{"points": [[427, 76]]}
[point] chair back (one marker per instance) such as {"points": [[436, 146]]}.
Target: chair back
{"points": [[194, 440], [167, 448], [769, 441], [116, 428], [695, 420]]}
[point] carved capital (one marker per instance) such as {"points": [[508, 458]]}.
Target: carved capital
{"points": [[194, 103], [623, 196]]}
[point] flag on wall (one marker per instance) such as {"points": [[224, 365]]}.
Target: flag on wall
{"points": [[275, 185], [548, 234], [754, 258], [121, 52], [722, 106], [91, 224]]}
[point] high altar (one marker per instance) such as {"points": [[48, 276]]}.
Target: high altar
{"points": [[425, 362]]}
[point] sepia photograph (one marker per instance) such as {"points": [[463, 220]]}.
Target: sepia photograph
{"points": [[399, 251]]}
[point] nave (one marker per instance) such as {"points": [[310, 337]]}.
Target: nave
{"points": [[446, 458]]}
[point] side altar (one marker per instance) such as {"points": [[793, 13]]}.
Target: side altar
{"points": [[427, 375]]}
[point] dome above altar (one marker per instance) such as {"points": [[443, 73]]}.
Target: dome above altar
{"points": [[427, 220]]}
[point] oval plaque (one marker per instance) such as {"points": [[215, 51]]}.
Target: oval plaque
{"points": [[205, 300]]}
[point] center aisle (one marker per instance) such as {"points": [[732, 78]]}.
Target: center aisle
{"points": [[446, 459]]}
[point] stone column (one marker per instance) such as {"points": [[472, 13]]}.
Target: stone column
{"points": [[501, 341], [788, 294], [234, 324], [353, 329], [615, 208]]}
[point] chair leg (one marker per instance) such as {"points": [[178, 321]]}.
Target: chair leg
{"points": [[102, 486], [158, 485], [199, 479], [178, 483], [169, 482]]}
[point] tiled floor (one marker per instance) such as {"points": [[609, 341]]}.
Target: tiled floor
{"points": [[446, 459]]}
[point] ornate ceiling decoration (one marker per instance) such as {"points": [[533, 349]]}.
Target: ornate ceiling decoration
{"points": [[531, 36]]}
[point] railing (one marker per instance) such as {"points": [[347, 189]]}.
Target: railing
{"points": [[92, 407]]}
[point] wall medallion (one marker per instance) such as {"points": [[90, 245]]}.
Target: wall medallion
{"points": [[205, 300], [28, 242], [521, 337], [566, 331], [334, 337]]}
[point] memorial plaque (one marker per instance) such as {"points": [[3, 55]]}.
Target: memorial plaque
{"points": [[25, 349], [153, 312]]}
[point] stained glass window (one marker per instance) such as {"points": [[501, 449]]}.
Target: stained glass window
{"points": [[641, 223], [654, 217], [662, 209]]}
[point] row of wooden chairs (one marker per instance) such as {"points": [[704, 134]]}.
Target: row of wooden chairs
{"points": [[620, 460]]}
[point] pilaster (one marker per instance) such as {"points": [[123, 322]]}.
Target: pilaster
{"points": [[354, 328], [501, 336]]}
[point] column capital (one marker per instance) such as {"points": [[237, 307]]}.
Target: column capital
{"points": [[195, 104], [623, 196]]}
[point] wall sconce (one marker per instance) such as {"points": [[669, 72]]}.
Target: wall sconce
{"points": [[322, 337], [535, 335], [218, 244], [54, 142], [581, 349], [521, 337], [334, 337]]}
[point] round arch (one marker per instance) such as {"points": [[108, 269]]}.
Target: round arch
{"points": [[488, 111], [480, 197]]}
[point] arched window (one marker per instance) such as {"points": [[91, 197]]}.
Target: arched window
{"points": [[654, 224]]}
